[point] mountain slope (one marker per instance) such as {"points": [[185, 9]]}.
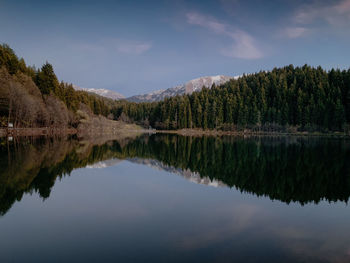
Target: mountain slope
{"points": [[188, 88], [102, 92]]}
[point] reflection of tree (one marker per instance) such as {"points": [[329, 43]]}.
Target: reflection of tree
{"points": [[290, 170], [302, 170], [33, 165]]}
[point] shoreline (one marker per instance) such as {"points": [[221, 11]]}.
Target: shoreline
{"points": [[198, 132], [46, 131]]}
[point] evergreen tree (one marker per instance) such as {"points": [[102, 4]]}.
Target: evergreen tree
{"points": [[46, 79]]}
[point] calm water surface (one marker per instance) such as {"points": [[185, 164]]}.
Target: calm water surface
{"points": [[167, 198]]}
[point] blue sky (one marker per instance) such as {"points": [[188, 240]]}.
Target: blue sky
{"points": [[135, 47]]}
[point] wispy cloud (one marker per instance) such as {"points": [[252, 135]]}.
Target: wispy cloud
{"points": [[333, 12], [310, 17], [295, 32], [243, 44], [133, 48], [243, 47]]}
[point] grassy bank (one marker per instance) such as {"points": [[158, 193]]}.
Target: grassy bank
{"points": [[95, 126]]}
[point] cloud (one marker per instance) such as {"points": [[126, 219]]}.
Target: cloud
{"points": [[335, 13], [243, 44], [318, 15], [343, 8], [243, 47], [133, 48], [200, 20], [295, 32]]}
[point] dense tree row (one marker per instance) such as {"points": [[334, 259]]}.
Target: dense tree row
{"points": [[303, 97], [31, 97]]}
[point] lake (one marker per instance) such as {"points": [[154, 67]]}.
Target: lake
{"points": [[168, 198]]}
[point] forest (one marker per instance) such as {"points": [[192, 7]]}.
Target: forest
{"points": [[284, 99], [31, 97], [288, 99]]}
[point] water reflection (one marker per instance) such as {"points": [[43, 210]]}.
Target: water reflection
{"points": [[287, 169]]}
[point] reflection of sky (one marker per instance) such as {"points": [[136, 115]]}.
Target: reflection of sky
{"points": [[131, 212]]}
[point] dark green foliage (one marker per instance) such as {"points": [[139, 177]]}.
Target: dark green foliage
{"points": [[46, 79], [8, 59], [303, 97], [12, 63]]}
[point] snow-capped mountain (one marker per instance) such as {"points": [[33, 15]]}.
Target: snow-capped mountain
{"points": [[187, 88], [103, 92]]}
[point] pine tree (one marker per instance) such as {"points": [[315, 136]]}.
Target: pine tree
{"points": [[46, 79]]}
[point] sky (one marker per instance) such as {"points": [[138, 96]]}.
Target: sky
{"points": [[135, 47]]}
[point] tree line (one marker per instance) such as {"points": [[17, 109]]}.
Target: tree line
{"points": [[31, 97], [288, 98]]}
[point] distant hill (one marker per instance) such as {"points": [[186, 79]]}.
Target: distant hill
{"points": [[102, 92], [187, 88]]}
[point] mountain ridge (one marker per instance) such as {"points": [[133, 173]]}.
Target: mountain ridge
{"points": [[102, 92], [187, 88], [158, 95]]}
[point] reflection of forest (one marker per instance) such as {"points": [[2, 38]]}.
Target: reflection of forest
{"points": [[287, 169]]}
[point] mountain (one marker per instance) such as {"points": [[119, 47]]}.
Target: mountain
{"points": [[188, 88], [102, 92]]}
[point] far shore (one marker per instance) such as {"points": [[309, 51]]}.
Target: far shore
{"points": [[200, 132], [47, 131]]}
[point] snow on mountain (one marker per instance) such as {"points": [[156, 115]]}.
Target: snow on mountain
{"points": [[102, 92], [188, 88]]}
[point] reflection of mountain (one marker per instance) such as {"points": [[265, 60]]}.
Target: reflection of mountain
{"points": [[290, 170], [33, 164], [104, 164], [193, 177]]}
